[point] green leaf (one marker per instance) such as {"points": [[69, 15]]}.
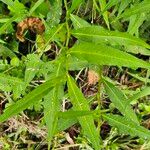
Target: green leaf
{"points": [[76, 64], [142, 93], [36, 5], [64, 124], [98, 34], [123, 5], [54, 15], [9, 83], [126, 126], [52, 104], [81, 104], [120, 101], [142, 7], [43, 9], [75, 114], [75, 4], [17, 8], [7, 2], [136, 76], [30, 98], [135, 22], [2, 42], [78, 22], [110, 4], [105, 14], [137, 50], [105, 55], [7, 24], [33, 65], [6, 52]]}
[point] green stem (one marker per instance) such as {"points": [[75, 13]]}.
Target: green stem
{"points": [[67, 24]]}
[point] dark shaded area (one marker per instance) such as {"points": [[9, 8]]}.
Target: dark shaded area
{"points": [[28, 46]]}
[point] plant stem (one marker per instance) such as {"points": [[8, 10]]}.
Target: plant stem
{"points": [[67, 25]]}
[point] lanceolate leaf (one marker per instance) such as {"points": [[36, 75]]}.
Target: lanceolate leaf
{"points": [[97, 34], [54, 15], [6, 52], [105, 55], [126, 126], [64, 123], [52, 104], [110, 4], [75, 4], [9, 84], [105, 14], [30, 98], [36, 5], [7, 2], [136, 76], [81, 104], [120, 101], [142, 93], [137, 9], [75, 114], [123, 5], [78, 22]]}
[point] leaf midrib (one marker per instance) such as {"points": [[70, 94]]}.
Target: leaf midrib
{"points": [[102, 55]]}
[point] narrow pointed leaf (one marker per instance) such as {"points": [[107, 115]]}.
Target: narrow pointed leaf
{"points": [[75, 114], [52, 102], [81, 104], [123, 5], [105, 55], [120, 101], [142, 7], [9, 84], [64, 124], [142, 93], [75, 4], [110, 4], [78, 22], [126, 126], [136, 76], [36, 5], [97, 34], [52, 105], [105, 14], [30, 99]]}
